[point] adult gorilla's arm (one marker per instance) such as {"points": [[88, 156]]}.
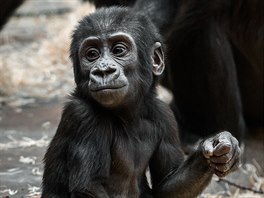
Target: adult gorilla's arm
{"points": [[161, 12], [102, 3], [7, 8]]}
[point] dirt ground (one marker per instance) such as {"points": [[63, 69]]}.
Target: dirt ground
{"points": [[36, 77]]}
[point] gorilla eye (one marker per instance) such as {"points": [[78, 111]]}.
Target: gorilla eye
{"points": [[119, 50], [92, 54]]}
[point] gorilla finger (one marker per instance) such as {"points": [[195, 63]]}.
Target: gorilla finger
{"points": [[227, 137], [232, 169], [222, 148], [221, 167], [221, 159], [207, 148], [221, 174], [224, 167], [224, 135], [235, 165]]}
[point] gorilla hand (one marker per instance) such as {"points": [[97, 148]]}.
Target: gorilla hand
{"points": [[222, 153]]}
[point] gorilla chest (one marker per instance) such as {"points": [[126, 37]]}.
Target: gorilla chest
{"points": [[131, 155], [129, 159], [132, 148]]}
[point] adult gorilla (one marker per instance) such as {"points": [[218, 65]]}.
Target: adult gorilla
{"points": [[216, 62]]}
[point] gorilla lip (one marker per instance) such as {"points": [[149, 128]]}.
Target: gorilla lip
{"points": [[107, 87]]}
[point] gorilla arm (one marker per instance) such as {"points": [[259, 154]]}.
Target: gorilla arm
{"points": [[218, 154]]}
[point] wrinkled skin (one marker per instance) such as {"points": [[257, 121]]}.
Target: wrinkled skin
{"points": [[222, 153], [104, 59]]}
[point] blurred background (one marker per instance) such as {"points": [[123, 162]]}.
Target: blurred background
{"points": [[35, 79]]}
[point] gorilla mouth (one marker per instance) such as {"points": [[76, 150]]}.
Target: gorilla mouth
{"points": [[107, 88]]}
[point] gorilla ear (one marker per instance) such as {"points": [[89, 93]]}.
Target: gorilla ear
{"points": [[157, 59]]}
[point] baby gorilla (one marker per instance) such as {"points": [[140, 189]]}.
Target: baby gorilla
{"points": [[114, 127]]}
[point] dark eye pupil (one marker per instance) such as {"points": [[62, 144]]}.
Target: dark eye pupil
{"points": [[92, 54], [118, 50]]}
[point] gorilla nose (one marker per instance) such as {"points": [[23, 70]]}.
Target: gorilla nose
{"points": [[104, 72]]}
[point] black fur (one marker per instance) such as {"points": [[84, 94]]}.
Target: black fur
{"points": [[102, 152]]}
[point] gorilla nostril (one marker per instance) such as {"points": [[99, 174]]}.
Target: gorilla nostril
{"points": [[98, 73], [110, 71]]}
